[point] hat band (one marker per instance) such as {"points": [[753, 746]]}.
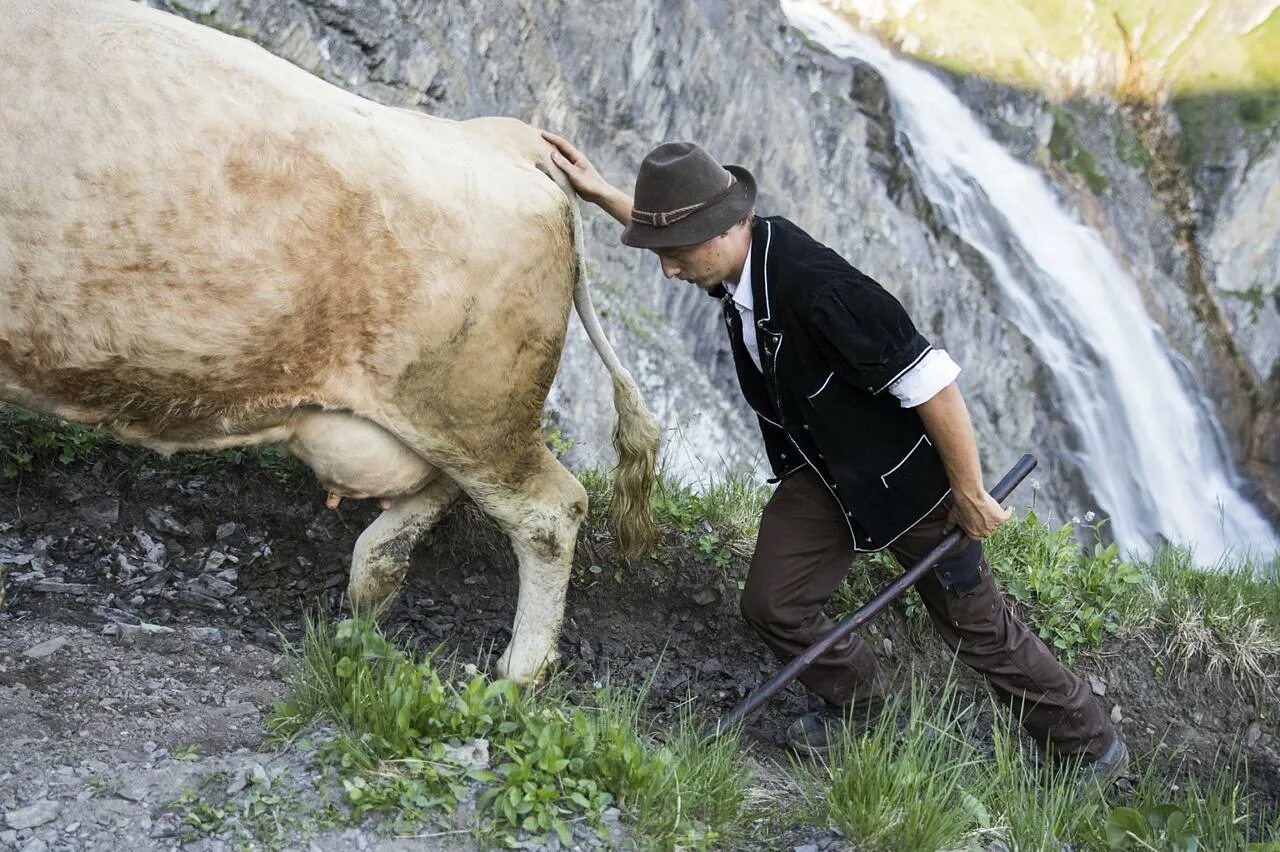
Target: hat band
{"points": [[663, 218]]}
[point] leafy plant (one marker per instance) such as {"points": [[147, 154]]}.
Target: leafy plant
{"points": [[1165, 828], [1075, 596], [547, 762]]}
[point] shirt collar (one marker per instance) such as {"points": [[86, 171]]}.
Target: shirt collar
{"points": [[741, 289]]}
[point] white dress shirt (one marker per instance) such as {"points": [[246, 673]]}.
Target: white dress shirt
{"points": [[918, 385]]}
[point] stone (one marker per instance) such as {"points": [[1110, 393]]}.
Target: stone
{"points": [[33, 815], [131, 793], [1252, 734], [703, 597], [54, 587], [104, 511], [162, 521], [205, 634], [472, 755], [46, 649], [808, 847], [1115, 714], [36, 845], [1097, 685], [208, 584]]}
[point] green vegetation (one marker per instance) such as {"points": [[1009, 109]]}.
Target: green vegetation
{"points": [[1073, 597], [407, 732], [33, 441], [1064, 149], [901, 791], [1186, 46], [927, 786], [1224, 621]]}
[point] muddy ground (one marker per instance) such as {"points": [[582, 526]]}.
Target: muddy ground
{"points": [[139, 656]]}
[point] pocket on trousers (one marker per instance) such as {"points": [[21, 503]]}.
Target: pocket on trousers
{"points": [[961, 572]]}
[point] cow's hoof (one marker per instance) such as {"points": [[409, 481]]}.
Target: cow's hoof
{"points": [[371, 599], [525, 667]]}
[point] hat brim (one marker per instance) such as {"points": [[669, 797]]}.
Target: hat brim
{"points": [[701, 226]]}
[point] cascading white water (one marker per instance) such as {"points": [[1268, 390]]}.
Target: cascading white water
{"points": [[1148, 445]]}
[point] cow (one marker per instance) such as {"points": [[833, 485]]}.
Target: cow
{"points": [[203, 246]]}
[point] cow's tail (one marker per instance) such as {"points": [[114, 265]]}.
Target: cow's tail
{"points": [[635, 432]]}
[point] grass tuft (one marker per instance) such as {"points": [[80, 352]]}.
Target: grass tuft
{"points": [[902, 791], [413, 736]]}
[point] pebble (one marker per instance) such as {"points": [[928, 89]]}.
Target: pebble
{"points": [[1097, 685], [36, 845], [1252, 734], [47, 648], [205, 634], [53, 587], [808, 847], [703, 597], [1115, 714], [39, 813]]}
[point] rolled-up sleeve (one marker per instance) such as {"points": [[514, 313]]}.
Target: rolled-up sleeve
{"points": [[866, 335], [922, 382]]}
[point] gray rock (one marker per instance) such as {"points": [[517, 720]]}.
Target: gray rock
{"points": [[703, 597], [205, 634], [163, 521], [33, 815], [214, 587], [104, 511], [472, 755], [1252, 734], [46, 649], [55, 587], [1097, 685], [36, 844], [808, 847], [227, 530]]}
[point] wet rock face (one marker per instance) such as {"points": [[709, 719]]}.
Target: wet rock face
{"points": [[619, 77]]}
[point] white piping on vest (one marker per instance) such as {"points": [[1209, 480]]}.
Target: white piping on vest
{"points": [[919, 357], [821, 389], [884, 476]]}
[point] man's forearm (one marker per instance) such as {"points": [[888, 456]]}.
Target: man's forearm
{"points": [[946, 420], [617, 204]]}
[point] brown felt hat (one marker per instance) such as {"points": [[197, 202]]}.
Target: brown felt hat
{"points": [[683, 197]]}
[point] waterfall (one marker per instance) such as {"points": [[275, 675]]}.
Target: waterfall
{"points": [[1149, 446]]}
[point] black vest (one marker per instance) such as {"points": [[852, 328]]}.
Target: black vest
{"points": [[831, 341]]}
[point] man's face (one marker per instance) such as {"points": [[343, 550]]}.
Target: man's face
{"points": [[704, 264]]}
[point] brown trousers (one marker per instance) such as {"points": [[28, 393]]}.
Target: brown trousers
{"points": [[803, 553]]}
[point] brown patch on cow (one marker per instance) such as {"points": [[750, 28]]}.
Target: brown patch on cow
{"points": [[166, 329]]}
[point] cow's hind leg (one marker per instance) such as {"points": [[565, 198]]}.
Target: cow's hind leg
{"points": [[381, 555], [540, 506]]}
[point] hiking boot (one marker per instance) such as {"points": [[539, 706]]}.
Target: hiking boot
{"points": [[1109, 768], [812, 732]]}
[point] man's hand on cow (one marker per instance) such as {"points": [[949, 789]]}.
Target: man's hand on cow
{"points": [[978, 514], [585, 179]]}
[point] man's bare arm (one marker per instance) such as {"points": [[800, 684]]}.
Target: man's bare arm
{"points": [[946, 420], [587, 181]]}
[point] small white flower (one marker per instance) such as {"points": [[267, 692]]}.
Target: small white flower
{"points": [[470, 669], [1075, 519], [1089, 516], [597, 684], [1035, 485]]}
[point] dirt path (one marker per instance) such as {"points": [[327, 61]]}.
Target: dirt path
{"points": [[161, 593]]}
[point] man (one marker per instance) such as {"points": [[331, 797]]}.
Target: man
{"points": [[870, 441]]}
